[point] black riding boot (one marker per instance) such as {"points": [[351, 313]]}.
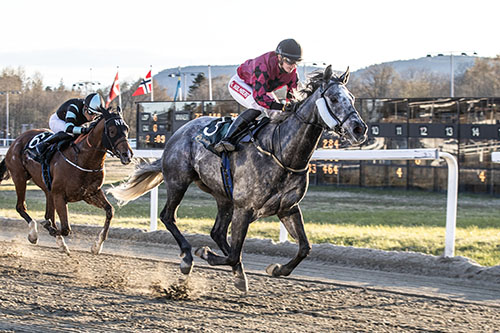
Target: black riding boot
{"points": [[56, 137], [239, 125]]}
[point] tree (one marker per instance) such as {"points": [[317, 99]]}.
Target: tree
{"points": [[481, 80], [198, 82], [199, 90], [420, 83], [375, 82]]}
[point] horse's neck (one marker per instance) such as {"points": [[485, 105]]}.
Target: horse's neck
{"points": [[91, 152], [297, 137]]}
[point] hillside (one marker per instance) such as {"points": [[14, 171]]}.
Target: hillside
{"points": [[437, 64]]}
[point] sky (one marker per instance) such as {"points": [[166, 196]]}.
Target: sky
{"points": [[70, 41]]}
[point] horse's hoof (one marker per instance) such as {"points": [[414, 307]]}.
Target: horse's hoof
{"points": [[33, 233], [33, 239], [62, 245], [241, 283], [273, 270], [202, 252], [96, 248], [186, 267]]}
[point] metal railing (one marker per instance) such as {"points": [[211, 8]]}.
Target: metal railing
{"points": [[390, 154]]}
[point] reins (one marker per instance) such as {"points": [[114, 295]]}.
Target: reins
{"points": [[86, 138]]}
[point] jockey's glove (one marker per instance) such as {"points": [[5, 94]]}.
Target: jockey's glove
{"points": [[85, 130], [289, 107]]}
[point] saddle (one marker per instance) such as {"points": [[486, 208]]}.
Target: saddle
{"points": [[213, 133], [46, 157]]}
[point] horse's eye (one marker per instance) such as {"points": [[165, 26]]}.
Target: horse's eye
{"points": [[334, 99], [112, 131]]}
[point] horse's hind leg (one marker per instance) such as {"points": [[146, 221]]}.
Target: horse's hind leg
{"points": [[294, 224], [175, 193], [20, 180], [219, 230], [239, 228], [99, 200]]}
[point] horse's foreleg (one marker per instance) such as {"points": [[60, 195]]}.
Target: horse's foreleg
{"points": [[49, 222], [294, 224], [175, 193], [99, 200], [62, 211]]}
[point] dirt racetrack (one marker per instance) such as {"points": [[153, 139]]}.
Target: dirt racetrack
{"points": [[136, 286]]}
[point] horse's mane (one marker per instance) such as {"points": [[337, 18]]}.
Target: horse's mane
{"points": [[314, 81]]}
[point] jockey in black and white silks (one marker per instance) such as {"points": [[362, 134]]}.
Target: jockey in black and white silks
{"points": [[68, 119]]}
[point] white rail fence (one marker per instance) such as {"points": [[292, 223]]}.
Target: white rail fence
{"points": [[355, 155], [495, 157]]}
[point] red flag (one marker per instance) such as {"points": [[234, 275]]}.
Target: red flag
{"points": [[115, 90], [144, 86]]}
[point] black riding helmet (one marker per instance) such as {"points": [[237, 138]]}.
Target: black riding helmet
{"points": [[93, 102], [289, 48]]}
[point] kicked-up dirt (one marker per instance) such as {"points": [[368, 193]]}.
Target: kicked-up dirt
{"points": [[131, 289]]}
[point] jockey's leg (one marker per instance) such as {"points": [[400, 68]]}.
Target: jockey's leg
{"points": [[56, 137], [239, 125]]}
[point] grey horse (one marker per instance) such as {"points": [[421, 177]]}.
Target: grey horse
{"points": [[270, 174]]}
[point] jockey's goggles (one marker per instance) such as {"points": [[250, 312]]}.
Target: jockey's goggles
{"points": [[289, 61], [92, 112]]}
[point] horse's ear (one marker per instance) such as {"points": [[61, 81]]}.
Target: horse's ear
{"points": [[119, 110], [327, 74], [104, 111], [344, 78]]}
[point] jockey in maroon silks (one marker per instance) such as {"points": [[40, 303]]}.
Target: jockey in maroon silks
{"points": [[254, 83]]}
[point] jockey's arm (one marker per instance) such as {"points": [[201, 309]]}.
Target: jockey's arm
{"points": [[260, 94], [70, 120]]}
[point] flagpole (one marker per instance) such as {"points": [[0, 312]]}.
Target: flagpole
{"points": [[152, 87], [120, 93]]}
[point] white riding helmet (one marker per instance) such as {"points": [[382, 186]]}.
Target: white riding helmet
{"points": [[94, 102]]}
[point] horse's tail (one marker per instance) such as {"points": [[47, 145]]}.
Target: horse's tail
{"points": [[145, 177], [4, 172]]}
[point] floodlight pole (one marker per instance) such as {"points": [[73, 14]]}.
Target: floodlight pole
{"points": [[7, 125], [452, 76]]}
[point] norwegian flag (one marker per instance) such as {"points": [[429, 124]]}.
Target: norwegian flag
{"points": [[144, 86], [115, 91]]}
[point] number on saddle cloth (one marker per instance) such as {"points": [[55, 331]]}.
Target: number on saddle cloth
{"points": [[211, 134], [37, 139]]}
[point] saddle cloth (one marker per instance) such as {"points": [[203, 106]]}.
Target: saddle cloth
{"points": [[45, 158], [213, 133]]}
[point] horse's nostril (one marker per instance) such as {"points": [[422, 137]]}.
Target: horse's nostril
{"points": [[358, 130]]}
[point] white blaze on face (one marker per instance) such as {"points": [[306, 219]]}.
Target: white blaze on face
{"points": [[324, 114]]}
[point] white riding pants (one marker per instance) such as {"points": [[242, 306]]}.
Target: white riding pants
{"points": [[243, 94], [56, 124]]}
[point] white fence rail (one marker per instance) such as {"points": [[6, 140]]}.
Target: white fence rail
{"points": [[495, 157], [392, 154]]}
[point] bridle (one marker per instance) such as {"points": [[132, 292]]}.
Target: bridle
{"points": [[109, 143], [327, 111], [331, 120]]}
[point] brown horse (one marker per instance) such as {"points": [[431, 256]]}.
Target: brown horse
{"points": [[77, 173]]}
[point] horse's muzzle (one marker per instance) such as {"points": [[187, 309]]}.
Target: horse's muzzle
{"points": [[126, 157], [359, 133]]}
